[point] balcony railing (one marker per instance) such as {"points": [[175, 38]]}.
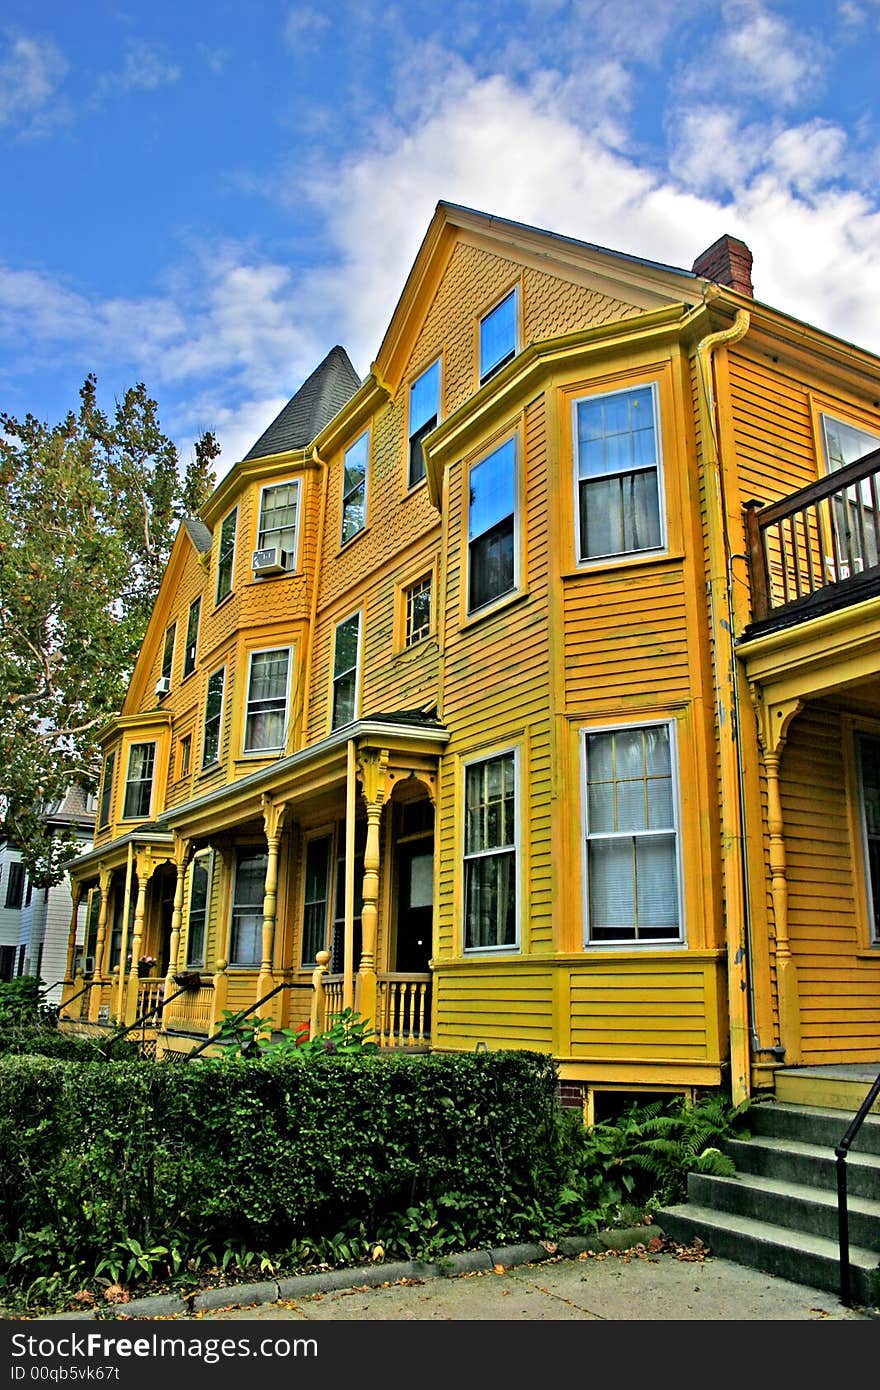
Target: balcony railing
{"points": [[816, 539]]}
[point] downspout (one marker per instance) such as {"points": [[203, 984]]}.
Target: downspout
{"points": [[313, 607], [740, 984]]}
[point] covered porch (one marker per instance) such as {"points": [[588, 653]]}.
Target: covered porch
{"points": [[296, 892]]}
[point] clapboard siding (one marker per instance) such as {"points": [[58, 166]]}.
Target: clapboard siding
{"points": [[839, 991]]}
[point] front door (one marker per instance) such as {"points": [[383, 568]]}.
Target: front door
{"points": [[415, 905]]}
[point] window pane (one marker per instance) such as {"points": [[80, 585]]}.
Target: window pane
{"points": [[345, 658], [317, 883], [618, 502], [492, 483], [354, 487], [192, 637], [490, 888], [498, 336], [633, 877], [247, 919], [424, 398], [657, 893], [492, 570], [278, 516], [611, 885]]}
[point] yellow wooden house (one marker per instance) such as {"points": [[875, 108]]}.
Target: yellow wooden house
{"points": [[523, 694]]}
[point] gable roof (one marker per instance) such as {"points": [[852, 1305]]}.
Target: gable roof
{"points": [[198, 534], [332, 383]]}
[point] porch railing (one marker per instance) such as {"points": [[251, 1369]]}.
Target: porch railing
{"points": [[840, 1153], [819, 536], [403, 1012], [191, 1013], [149, 995], [403, 1007]]}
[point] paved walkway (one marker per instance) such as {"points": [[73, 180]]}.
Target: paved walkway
{"points": [[633, 1275]]}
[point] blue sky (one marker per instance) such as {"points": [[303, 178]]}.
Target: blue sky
{"points": [[209, 197]]}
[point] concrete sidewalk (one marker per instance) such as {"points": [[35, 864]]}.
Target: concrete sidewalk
{"points": [[634, 1275]]}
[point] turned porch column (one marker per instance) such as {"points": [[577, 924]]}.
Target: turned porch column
{"points": [[145, 867], [373, 771], [181, 859], [273, 820], [105, 878]]}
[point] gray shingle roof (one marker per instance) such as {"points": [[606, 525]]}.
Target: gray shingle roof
{"points": [[198, 534], [320, 397]]}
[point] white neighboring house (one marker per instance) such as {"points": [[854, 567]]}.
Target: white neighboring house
{"points": [[12, 893], [39, 928]]}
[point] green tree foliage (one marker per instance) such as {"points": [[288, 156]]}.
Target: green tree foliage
{"points": [[89, 511]]}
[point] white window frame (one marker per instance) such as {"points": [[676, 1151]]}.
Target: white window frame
{"points": [[512, 293], [357, 670], [262, 544], [279, 748], [858, 498], [343, 539], [214, 762], [590, 561], [492, 755], [471, 612], [189, 667], [633, 943], [411, 482], [168, 651], [207, 858], [139, 815], [218, 597], [862, 736], [409, 590]]}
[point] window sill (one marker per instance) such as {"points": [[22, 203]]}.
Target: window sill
{"points": [[499, 606], [220, 603], [869, 952], [624, 562], [638, 948], [282, 574], [208, 769], [470, 952]]}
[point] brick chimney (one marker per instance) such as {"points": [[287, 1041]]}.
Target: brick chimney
{"points": [[727, 262]]}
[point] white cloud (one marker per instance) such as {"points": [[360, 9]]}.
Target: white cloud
{"points": [[303, 27], [31, 71], [230, 337], [758, 53], [144, 70]]}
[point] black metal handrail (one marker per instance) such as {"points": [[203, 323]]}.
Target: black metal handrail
{"points": [[88, 985], [840, 1154], [190, 983], [285, 984]]}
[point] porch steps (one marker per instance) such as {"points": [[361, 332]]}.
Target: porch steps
{"points": [[841, 1088], [779, 1212]]}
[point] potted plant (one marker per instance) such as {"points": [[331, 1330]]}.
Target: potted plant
{"points": [[145, 965]]}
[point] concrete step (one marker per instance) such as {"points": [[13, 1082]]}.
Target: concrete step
{"points": [[795, 1206], [812, 1124], [795, 1161], [797, 1256], [814, 1087]]}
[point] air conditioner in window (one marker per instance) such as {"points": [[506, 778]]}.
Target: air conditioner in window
{"points": [[163, 685], [272, 560], [88, 965]]}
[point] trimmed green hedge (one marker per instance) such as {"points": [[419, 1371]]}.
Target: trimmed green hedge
{"points": [[265, 1152]]}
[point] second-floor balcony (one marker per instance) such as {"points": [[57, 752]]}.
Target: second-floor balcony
{"points": [[814, 560], [816, 550]]}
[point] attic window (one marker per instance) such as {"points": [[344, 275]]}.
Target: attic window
{"points": [[424, 409], [498, 336]]}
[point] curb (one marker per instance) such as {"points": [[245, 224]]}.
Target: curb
{"points": [[366, 1276]]}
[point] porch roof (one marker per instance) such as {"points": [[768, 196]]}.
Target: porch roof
{"points": [[413, 736]]}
